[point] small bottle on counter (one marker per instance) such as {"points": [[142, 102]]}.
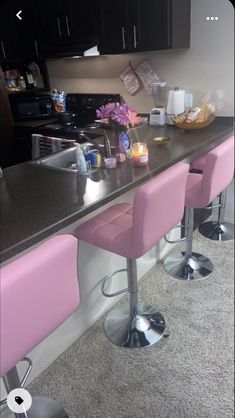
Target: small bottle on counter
{"points": [[22, 83], [80, 160], [29, 79]]}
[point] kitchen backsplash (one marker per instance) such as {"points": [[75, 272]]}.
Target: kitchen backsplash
{"points": [[206, 66]]}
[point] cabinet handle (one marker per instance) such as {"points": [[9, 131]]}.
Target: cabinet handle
{"points": [[36, 47], [67, 25], [3, 49], [123, 38], [168, 23], [59, 28], [134, 35]]}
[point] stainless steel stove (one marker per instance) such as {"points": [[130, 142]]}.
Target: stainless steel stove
{"points": [[84, 107]]}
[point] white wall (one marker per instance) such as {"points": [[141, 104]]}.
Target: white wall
{"points": [[207, 65]]}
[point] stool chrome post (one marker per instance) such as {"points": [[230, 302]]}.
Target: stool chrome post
{"points": [[218, 230], [222, 205], [132, 286], [189, 212], [188, 265], [136, 324]]}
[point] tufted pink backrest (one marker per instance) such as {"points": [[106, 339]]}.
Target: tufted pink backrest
{"points": [[38, 293], [218, 170], [158, 207]]}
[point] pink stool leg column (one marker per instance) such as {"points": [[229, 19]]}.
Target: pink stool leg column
{"points": [[218, 230], [136, 324], [188, 265]]}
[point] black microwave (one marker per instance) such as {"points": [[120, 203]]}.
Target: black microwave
{"points": [[26, 106]]}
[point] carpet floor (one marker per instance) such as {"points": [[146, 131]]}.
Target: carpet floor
{"points": [[188, 374]]}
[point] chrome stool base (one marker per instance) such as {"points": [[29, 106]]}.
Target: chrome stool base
{"points": [[197, 267], [43, 407], [144, 329], [216, 231]]}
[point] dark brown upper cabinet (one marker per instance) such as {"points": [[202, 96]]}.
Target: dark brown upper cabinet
{"points": [[19, 39], [10, 31], [144, 25], [68, 26], [60, 28]]}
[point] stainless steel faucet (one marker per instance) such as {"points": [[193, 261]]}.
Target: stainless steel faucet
{"points": [[106, 151]]}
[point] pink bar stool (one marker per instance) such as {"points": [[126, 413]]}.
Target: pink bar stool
{"points": [[39, 291], [218, 230], [201, 189], [130, 230]]}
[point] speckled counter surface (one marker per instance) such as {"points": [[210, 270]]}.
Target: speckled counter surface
{"points": [[37, 201]]}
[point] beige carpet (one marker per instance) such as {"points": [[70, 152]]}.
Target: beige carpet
{"points": [[186, 375]]}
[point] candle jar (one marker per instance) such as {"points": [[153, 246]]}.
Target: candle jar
{"points": [[140, 154]]}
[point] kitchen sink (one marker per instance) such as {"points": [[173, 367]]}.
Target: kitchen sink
{"points": [[63, 161]]}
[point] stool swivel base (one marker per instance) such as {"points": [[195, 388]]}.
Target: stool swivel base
{"points": [[218, 230], [188, 265], [195, 267], [143, 329], [43, 407], [136, 324]]}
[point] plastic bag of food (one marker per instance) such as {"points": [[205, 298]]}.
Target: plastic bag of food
{"points": [[212, 102], [214, 99], [59, 100]]}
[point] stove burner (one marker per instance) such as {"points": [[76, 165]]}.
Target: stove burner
{"points": [[53, 126]]}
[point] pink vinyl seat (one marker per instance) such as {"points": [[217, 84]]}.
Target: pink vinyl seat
{"points": [[130, 230], [218, 230], [201, 189], [39, 291]]}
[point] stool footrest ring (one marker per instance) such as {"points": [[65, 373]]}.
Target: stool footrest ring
{"points": [[23, 381], [119, 292], [213, 206], [175, 241], [30, 365]]}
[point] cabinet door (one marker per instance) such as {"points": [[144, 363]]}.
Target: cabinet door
{"points": [[52, 17], [152, 30], [133, 25], [10, 46], [29, 35], [83, 20], [18, 36], [114, 35]]}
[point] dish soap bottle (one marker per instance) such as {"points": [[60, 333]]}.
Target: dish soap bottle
{"points": [[80, 160]]}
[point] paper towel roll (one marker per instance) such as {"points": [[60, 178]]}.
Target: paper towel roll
{"points": [[175, 103]]}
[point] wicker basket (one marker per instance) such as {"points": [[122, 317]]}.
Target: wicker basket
{"points": [[196, 125]]}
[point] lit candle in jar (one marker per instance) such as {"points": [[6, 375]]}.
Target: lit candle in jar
{"points": [[140, 154]]}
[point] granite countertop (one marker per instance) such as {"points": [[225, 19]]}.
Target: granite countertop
{"points": [[37, 201]]}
